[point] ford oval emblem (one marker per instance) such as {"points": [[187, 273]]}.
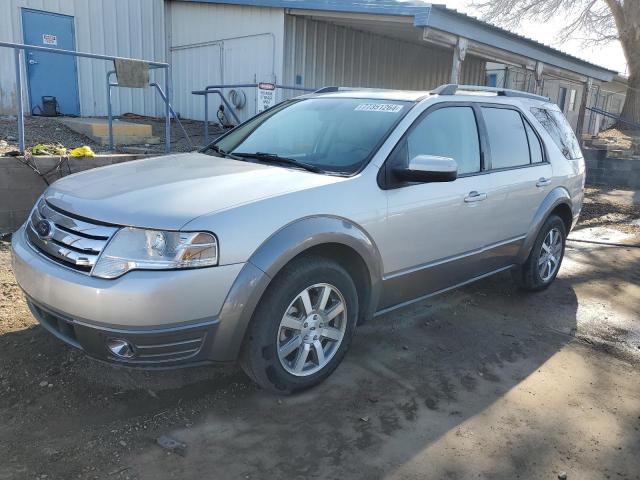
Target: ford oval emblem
{"points": [[44, 229]]}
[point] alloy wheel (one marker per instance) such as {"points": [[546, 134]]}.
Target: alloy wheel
{"points": [[550, 254], [312, 329]]}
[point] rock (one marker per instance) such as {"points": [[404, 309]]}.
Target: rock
{"points": [[562, 476], [123, 443], [170, 444], [44, 383], [364, 419]]}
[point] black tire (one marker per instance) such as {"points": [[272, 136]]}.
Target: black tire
{"points": [[527, 276], [259, 356]]}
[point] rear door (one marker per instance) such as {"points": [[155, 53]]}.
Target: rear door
{"points": [[519, 171]]}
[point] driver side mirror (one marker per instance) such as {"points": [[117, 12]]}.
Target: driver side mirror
{"points": [[428, 168]]}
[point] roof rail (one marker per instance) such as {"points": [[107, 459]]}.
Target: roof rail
{"points": [[452, 89], [327, 89]]}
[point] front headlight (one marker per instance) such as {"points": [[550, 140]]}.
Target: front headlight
{"points": [[139, 249]]}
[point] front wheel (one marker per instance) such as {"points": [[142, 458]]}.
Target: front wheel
{"points": [[302, 327], [543, 264]]}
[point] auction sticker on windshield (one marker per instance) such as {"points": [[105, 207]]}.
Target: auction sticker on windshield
{"points": [[379, 107]]}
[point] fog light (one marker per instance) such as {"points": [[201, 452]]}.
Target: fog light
{"points": [[120, 348]]}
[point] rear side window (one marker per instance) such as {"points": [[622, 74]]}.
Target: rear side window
{"points": [[448, 132], [560, 131], [534, 144], [507, 137]]}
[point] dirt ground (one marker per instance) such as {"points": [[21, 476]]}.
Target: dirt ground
{"points": [[51, 130], [482, 383]]}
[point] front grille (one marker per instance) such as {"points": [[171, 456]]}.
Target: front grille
{"points": [[73, 242]]}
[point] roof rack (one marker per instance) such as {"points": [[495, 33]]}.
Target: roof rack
{"points": [[327, 89], [452, 89]]}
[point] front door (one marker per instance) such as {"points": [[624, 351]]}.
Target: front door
{"points": [[50, 74], [436, 233]]}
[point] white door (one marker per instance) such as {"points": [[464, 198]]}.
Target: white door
{"points": [[195, 67], [249, 60]]}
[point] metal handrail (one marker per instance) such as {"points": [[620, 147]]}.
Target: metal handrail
{"points": [[19, 47], [216, 89], [110, 111], [617, 118]]}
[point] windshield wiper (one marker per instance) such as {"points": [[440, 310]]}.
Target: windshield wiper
{"points": [[224, 153], [272, 157]]}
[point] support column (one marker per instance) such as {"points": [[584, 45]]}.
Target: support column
{"points": [[586, 88], [459, 52], [539, 78]]}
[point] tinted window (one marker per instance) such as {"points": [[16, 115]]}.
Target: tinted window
{"points": [[334, 134], [448, 132], [534, 145], [507, 137], [560, 131]]}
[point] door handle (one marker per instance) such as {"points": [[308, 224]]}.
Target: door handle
{"points": [[543, 182], [474, 196], [32, 62]]}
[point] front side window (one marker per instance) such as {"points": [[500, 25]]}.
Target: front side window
{"points": [[448, 132], [507, 137], [560, 131], [331, 134]]}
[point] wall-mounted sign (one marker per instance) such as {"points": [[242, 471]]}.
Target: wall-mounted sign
{"points": [[266, 96], [48, 39]]}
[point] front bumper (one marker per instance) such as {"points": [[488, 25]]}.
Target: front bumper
{"points": [[169, 317]]}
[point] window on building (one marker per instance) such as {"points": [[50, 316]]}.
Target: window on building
{"points": [[560, 131], [572, 100], [448, 132], [562, 97], [507, 137]]}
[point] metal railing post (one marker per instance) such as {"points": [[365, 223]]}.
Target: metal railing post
{"points": [[206, 119], [167, 116], [109, 111], [19, 103], [173, 112]]}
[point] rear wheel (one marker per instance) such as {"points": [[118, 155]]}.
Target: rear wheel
{"points": [[302, 327], [543, 264]]}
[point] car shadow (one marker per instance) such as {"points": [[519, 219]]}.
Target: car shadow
{"points": [[410, 377]]}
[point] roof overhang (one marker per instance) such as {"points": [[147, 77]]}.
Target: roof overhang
{"points": [[437, 24]]}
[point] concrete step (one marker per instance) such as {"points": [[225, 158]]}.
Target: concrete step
{"points": [[124, 133]]}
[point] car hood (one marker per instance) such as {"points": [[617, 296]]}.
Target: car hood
{"points": [[167, 192]]}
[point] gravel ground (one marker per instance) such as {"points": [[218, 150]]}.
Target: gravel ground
{"points": [[51, 130], [485, 383]]}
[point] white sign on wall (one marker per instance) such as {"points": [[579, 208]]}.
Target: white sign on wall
{"points": [[48, 39], [266, 96]]}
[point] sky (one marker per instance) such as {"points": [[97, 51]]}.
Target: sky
{"points": [[608, 56]]}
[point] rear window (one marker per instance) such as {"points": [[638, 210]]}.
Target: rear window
{"points": [[560, 131]]}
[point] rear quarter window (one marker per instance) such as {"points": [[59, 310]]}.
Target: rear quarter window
{"points": [[560, 131]]}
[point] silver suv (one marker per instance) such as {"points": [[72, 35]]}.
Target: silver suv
{"points": [[273, 243]]}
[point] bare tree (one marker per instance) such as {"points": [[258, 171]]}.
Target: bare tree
{"points": [[592, 21]]}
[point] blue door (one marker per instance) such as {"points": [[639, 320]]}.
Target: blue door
{"points": [[50, 74]]}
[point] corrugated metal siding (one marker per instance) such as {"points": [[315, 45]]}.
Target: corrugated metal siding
{"points": [[132, 28], [326, 54], [222, 44]]}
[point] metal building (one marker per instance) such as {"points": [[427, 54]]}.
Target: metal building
{"points": [[300, 43], [387, 43]]}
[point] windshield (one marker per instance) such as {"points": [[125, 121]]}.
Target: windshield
{"points": [[326, 134]]}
